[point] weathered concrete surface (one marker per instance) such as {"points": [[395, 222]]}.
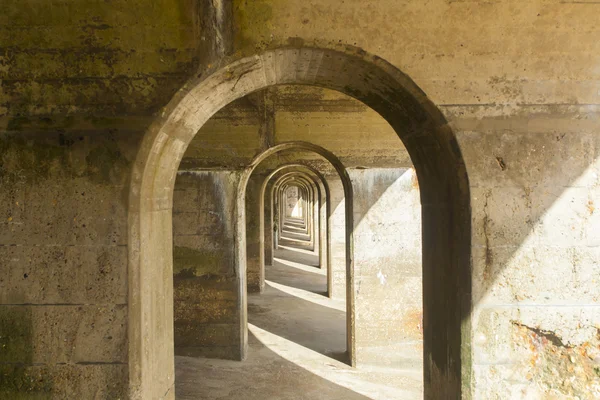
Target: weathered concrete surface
{"points": [[388, 268], [255, 260], [337, 269], [512, 82], [540, 52], [535, 255], [91, 65], [206, 300], [63, 286]]}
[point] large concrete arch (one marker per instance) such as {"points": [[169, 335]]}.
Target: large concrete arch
{"points": [[444, 195]]}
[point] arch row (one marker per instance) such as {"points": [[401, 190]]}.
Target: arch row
{"points": [[430, 143]]}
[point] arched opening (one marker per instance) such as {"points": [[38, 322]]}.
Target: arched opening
{"points": [[301, 239], [267, 208], [347, 268], [444, 197]]}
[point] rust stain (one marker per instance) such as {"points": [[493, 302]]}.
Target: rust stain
{"points": [[558, 366]]}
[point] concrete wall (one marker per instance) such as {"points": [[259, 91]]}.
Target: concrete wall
{"points": [[388, 268], [91, 65], [63, 258], [518, 84], [205, 284], [535, 254], [80, 82]]}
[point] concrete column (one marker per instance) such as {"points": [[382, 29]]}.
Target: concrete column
{"points": [[255, 258], [314, 210], [206, 318], [268, 210], [337, 272], [387, 264], [324, 229]]}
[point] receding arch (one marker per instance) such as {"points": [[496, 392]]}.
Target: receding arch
{"points": [[256, 256], [304, 181], [324, 248], [430, 142], [349, 220]]}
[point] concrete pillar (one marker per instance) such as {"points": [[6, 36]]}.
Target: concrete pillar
{"points": [[206, 319], [324, 229], [337, 270], [314, 210], [255, 258], [387, 264], [268, 217]]}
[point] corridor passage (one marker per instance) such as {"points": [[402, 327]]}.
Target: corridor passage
{"points": [[297, 342]]}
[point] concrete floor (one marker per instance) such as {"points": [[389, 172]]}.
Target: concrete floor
{"points": [[296, 347]]}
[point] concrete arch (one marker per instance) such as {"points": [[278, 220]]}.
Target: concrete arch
{"points": [[294, 178], [305, 188], [444, 195], [317, 179]]}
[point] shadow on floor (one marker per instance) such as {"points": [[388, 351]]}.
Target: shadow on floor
{"points": [[297, 255], [264, 375], [294, 305]]}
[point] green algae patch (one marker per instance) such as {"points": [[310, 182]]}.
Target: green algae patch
{"points": [[31, 159], [190, 263], [253, 24], [16, 334], [18, 383]]}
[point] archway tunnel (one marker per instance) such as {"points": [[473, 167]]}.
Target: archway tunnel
{"points": [[317, 199], [306, 211], [356, 205]]}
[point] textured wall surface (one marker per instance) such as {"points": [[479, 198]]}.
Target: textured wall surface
{"points": [[338, 239], [204, 276], [63, 256], [83, 65], [81, 81], [255, 261], [388, 268]]}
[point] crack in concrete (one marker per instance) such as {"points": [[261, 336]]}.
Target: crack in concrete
{"points": [[548, 335], [489, 258]]}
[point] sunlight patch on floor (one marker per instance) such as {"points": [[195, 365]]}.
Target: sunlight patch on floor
{"points": [[327, 368], [336, 304]]}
